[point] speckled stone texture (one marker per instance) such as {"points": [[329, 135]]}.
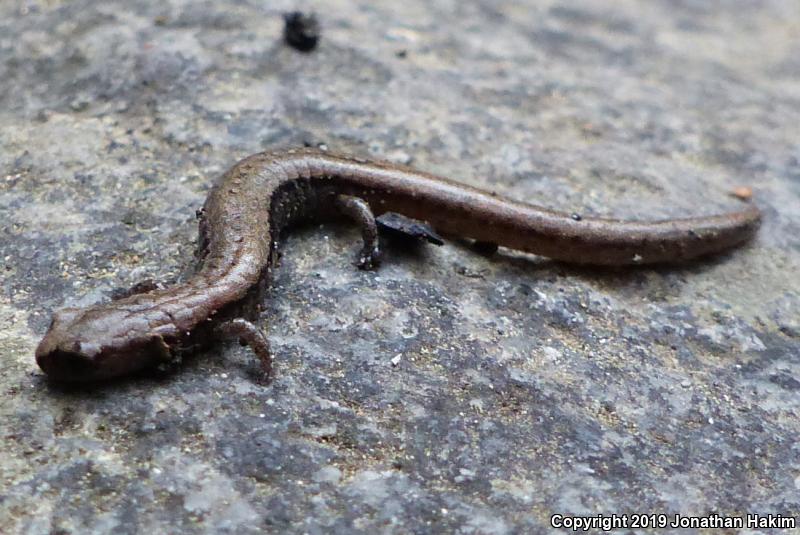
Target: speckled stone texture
{"points": [[447, 392]]}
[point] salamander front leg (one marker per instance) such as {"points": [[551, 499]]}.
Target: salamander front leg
{"points": [[358, 210], [249, 334]]}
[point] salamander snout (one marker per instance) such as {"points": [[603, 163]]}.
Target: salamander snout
{"points": [[92, 344], [65, 365], [60, 355]]}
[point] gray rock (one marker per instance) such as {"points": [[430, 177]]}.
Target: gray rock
{"points": [[446, 392]]}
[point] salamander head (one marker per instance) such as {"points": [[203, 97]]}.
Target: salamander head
{"points": [[98, 342]]}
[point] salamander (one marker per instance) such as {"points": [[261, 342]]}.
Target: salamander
{"points": [[262, 195]]}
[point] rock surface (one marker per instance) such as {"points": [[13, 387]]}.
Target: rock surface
{"points": [[447, 391]]}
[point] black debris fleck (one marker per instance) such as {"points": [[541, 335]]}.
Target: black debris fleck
{"points": [[400, 226], [301, 31]]}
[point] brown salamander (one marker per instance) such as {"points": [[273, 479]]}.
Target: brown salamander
{"points": [[263, 194]]}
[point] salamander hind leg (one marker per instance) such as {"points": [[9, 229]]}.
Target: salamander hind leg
{"points": [[249, 334], [358, 210]]}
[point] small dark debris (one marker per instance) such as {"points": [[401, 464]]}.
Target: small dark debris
{"points": [[129, 218], [785, 381], [789, 331], [402, 54], [471, 274], [301, 31], [321, 145], [400, 226]]}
